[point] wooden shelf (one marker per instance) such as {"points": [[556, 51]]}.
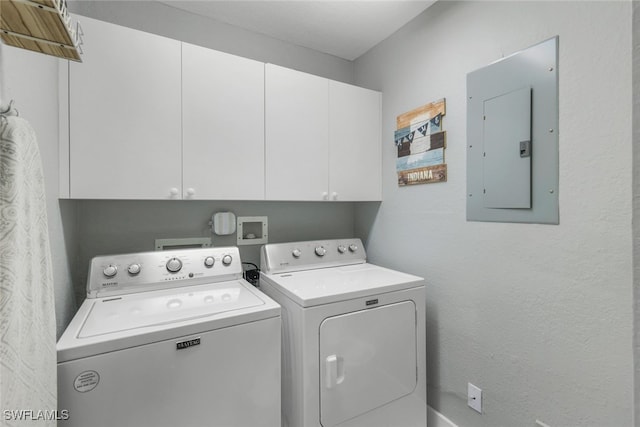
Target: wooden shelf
{"points": [[41, 26]]}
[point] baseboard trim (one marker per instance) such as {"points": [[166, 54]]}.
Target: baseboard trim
{"points": [[436, 419]]}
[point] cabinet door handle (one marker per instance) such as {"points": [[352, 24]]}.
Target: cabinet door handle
{"points": [[191, 192], [173, 192], [334, 195], [325, 196]]}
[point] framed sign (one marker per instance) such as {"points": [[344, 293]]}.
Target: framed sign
{"points": [[421, 141]]}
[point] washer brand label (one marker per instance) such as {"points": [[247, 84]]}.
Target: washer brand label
{"points": [[86, 381], [372, 302], [107, 284], [181, 345]]}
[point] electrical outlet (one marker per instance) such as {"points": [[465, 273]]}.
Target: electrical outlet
{"points": [[474, 397]]}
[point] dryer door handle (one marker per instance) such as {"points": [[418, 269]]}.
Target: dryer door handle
{"points": [[334, 371]]}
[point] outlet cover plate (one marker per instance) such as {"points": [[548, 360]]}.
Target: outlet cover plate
{"points": [[474, 397]]}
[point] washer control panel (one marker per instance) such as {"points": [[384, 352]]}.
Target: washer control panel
{"points": [[295, 256], [121, 274]]}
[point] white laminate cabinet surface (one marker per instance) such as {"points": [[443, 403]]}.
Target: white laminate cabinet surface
{"points": [[355, 170], [297, 127], [154, 118], [124, 115], [223, 125]]}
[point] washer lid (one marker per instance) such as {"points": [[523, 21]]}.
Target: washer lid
{"points": [[322, 286], [103, 325], [127, 312]]}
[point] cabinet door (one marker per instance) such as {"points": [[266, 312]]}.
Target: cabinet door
{"points": [[355, 163], [124, 115], [297, 123], [223, 125]]}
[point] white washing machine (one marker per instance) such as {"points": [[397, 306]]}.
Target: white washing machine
{"points": [[353, 343], [172, 338]]}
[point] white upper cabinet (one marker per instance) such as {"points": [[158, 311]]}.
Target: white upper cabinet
{"points": [[223, 125], [322, 138], [124, 114], [148, 117], [297, 132], [355, 165]]}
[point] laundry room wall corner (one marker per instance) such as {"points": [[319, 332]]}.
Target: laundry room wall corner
{"points": [[538, 316], [31, 80]]}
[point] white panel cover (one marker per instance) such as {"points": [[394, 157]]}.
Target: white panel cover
{"points": [[367, 359], [354, 143], [216, 382], [223, 125], [133, 311], [125, 115], [296, 135]]}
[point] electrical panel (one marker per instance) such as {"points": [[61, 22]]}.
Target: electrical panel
{"points": [[512, 138]]}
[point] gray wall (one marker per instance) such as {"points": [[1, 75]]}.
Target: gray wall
{"points": [[108, 226], [636, 207], [538, 316], [171, 22], [32, 81]]}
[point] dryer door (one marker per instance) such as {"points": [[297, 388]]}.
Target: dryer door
{"points": [[367, 359]]}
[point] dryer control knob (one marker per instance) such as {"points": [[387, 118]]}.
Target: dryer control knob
{"points": [[342, 249], [226, 260], [134, 269], [110, 270], [209, 261], [174, 265], [296, 253], [320, 251], [353, 247]]}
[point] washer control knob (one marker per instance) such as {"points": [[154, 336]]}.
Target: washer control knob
{"points": [[134, 269], [320, 251], [174, 265], [342, 249], [226, 260], [110, 270], [209, 261], [353, 247], [296, 253]]}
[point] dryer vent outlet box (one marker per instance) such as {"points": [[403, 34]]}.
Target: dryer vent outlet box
{"points": [[253, 230], [512, 138]]}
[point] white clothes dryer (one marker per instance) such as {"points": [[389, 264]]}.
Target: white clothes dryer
{"points": [[353, 343], [172, 338]]}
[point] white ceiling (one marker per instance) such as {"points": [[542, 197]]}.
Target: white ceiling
{"points": [[346, 28]]}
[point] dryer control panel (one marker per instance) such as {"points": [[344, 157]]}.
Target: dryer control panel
{"points": [[136, 272], [296, 256]]}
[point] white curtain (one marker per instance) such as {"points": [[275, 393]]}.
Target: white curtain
{"points": [[27, 316]]}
